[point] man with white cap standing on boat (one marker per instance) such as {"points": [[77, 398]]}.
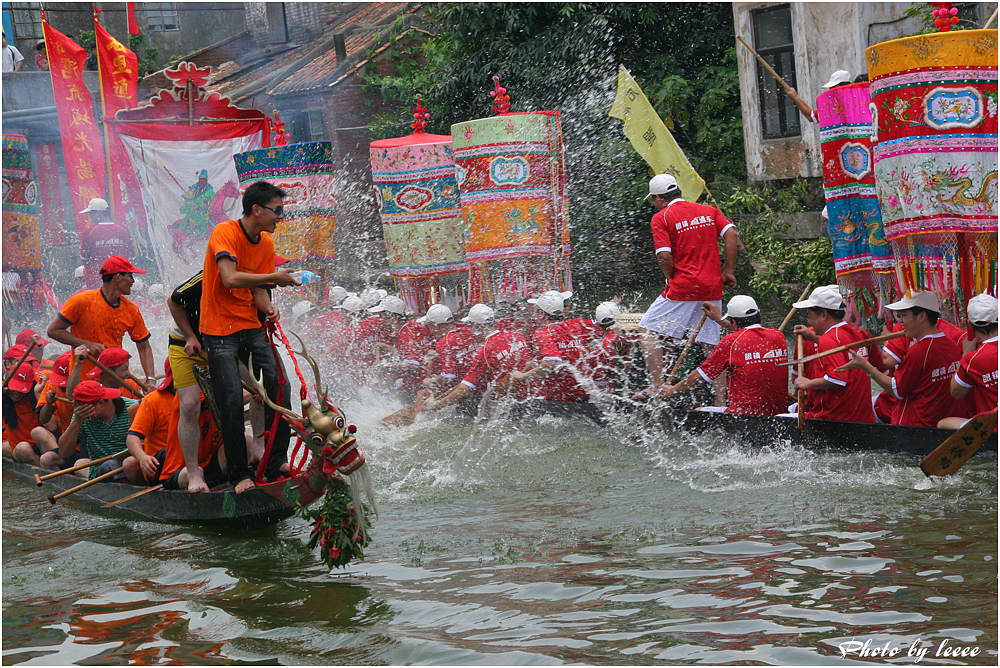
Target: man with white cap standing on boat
{"points": [[685, 238], [102, 239]]}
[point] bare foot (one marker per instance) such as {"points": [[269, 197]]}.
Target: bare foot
{"points": [[196, 480], [244, 485]]}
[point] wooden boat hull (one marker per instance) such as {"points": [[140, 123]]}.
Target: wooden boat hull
{"points": [[823, 434], [263, 505]]}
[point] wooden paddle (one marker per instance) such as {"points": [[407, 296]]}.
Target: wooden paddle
{"points": [[955, 450], [13, 369], [788, 318], [687, 347], [789, 91], [133, 495], [839, 349], [114, 377], [40, 479], [799, 394], [93, 481]]}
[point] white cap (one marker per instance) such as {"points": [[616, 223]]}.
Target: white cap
{"points": [[371, 296], [983, 310], [337, 294], [565, 295], [96, 204], [437, 314], [838, 77], [660, 184], [479, 314], [550, 302], [607, 311], [301, 307], [927, 300], [351, 304], [825, 296], [741, 306], [78, 272], [390, 304]]}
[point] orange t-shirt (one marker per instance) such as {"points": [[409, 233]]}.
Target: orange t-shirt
{"points": [[210, 441], [223, 310], [91, 317], [153, 419], [63, 410], [26, 421]]}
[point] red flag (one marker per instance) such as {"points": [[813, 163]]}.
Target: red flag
{"points": [[133, 22], [118, 69], [83, 151]]}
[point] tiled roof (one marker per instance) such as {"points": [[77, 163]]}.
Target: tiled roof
{"points": [[370, 19]]}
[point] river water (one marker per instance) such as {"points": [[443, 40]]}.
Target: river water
{"points": [[542, 542]]}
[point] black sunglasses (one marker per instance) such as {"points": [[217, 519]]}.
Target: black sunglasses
{"points": [[279, 211]]}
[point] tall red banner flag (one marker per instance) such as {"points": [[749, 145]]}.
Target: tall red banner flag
{"points": [[133, 22], [83, 152], [118, 68]]}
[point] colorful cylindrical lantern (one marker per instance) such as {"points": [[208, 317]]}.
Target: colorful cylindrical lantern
{"points": [[21, 223]]}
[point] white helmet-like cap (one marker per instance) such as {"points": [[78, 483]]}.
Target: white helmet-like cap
{"points": [[660, 184], [741, 306], [351, 304], [983, 310], [479, 314], [437, 314], [390, 304], [837, 78], [926, 299], [825, 296], [370, 296], [606, 313], [337, 295], [96, 204], [550, 302], [565, 295]]}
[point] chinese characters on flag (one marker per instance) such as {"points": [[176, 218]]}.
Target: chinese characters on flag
{"points": [[83, 151], [119, 72]]}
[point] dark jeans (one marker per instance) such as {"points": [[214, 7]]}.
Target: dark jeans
{"points": [[224, 352]]}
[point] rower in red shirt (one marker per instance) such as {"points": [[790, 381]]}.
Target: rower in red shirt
{"points": [[976, 378], [685, 238], [750, 354], [562, 342], [831, 394], [453, 352], [502, 354], [415, 344], [921, 381], [377, 333]]}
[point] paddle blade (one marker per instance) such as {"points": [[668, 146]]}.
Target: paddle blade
{"points": [[957, 448]]}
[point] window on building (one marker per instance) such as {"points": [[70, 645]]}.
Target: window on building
{"points": [[160, 15], [317, 131], [277, 23], [26, 18], [772, 27], [306, 126]]}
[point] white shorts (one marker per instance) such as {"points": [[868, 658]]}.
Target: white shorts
{"points": [[676, 319]]}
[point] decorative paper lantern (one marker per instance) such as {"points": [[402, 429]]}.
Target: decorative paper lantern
{"points": [[414, 180], [512, 189], [862, 256], [21, 222], [934, 107], [305, 172]]}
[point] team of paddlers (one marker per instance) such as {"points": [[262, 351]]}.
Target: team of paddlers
{"points": [[85, 404]]}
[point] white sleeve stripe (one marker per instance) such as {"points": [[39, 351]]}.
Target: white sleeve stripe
{"points": [[556, 359], [726, 229], [895, 392], [961, 382], [704, 375], [842, 383], [663, 249], [468, 384]]}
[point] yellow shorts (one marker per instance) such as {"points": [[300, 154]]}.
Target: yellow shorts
{"points": [[182, 365]]}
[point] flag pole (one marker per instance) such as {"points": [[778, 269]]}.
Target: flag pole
{"points": [[108, 176]]}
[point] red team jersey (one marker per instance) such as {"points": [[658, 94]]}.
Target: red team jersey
{"points": [[852, 400], [370, 332], [896, 348], [978, 372], [500, 354], [757, 385], [690, 232], [922, 381], [454, 352], [567, 341]]}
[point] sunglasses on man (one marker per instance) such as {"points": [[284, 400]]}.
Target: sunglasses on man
{"points": [[279, 211]]}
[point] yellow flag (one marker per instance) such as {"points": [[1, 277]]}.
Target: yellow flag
{"points": [[651, 138]]}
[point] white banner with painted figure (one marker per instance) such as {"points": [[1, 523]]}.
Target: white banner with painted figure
{"points": [[187, 187]]}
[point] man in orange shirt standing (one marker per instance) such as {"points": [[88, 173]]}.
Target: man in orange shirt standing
{"points": [[99, 319], [239, 266]]}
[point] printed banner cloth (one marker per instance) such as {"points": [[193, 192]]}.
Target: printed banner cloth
{"points": [[512, 191], [855, 222], [934, 107], [22, 247], [305, 172]]}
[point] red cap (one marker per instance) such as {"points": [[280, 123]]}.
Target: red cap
{"points": [[14, 352], [25, 336], [109, 357], [279, 260], [90, 391], [23, 379], [116, 264], [60, 370], [168, 380]]}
